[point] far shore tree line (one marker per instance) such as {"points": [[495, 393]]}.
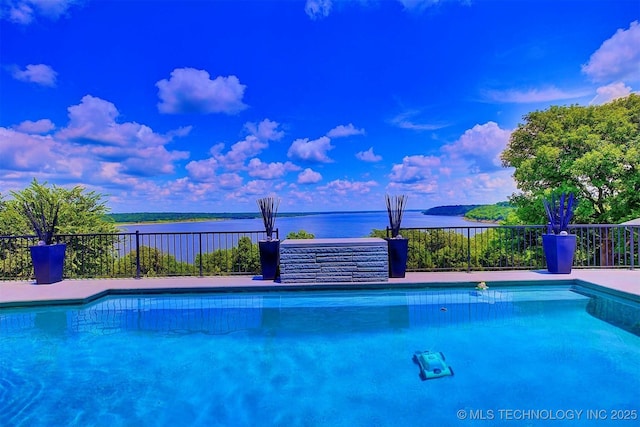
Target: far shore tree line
{"points": [[593, 152]]}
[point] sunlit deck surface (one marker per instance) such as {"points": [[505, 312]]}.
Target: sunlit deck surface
{"points": [[26, 293]]}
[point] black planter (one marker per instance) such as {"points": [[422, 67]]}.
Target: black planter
{"points": [[398, 250], [269, 258], [48, 263], [558, 251]]}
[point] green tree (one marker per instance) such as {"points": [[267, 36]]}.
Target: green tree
{"points": [[300, 235], [591, 151], [80, 212]]}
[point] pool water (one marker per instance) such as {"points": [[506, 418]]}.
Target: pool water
{"points": [[521, 355]]}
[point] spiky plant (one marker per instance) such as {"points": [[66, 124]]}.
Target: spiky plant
{"points": [[269, 209], [395, 209], [41, 206], [559, 213]]}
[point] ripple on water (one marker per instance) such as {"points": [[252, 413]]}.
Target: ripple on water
{"points": [[18, 392]]}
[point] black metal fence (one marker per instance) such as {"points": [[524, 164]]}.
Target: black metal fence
{"points": [[141, 254], [489, 247], [474, 248]]}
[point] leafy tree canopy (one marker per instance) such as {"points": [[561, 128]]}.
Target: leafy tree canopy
{"points": [[81, 211], [593, 152]]}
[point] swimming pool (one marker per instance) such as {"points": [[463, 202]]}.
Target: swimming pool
{"points": [[521, 355]]}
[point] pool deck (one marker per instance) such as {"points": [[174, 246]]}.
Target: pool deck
{"points": [[27, 293]]}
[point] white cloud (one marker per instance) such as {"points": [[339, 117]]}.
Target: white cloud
{"points": [[481, 145], [548, 94], [229, 181], [309, 176], [23, 152], [92, 124], [39, 127], [342, 131], [368, 156], [25, 11], [94, 121], [192, 91], [202, 170], [414, 169], [318, 9], [253, 144], [40, 74], [266, 130], [311, 151], [618, 58], [610, 92], [274, 170]]}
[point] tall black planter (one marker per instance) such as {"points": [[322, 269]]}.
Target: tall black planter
{"points": [[398, 251], [559, 250], [48, 263], [269, 258]]}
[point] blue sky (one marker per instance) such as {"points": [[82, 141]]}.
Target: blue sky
{"points": [[206, 106]]}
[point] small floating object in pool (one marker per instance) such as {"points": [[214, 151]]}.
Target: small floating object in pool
{"points": [[443, 308], [432, 365]]}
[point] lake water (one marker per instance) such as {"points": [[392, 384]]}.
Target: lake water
{"points": [[325, 225]]}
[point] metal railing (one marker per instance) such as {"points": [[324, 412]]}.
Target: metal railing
{"points": [[141, 254], [473, 248], [487, 247]]}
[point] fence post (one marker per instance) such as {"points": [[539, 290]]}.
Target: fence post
{"points": [[633, 248], [200, 251], [468, 249], [137, 254]]}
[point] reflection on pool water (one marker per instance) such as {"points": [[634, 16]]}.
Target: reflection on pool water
{"points": [[343, 358]]}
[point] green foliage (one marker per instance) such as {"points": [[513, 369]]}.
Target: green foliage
{"points": [[450, 210], [79, 212], [300, 235], [136, 217], [40, 205], [490, 213], [593, 152]]}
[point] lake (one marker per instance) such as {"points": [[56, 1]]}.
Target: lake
{"points": [[324, 225]]}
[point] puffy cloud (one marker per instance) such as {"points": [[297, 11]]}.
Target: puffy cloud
{"points": [[309, 176], [229, 181], [532, 95], [202, 170], [94, 121], [25, 11], [269, 170], [266, 130], [311, 151], [610, 92], [23, 152], [318, 9], [368, 156], [253, 144], [481, 145], [39, 127], [192, 91], [617, 58], [414, 169], [40, 74], [342, 131]]}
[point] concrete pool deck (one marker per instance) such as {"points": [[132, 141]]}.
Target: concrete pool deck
{"points": [[74, 291]]}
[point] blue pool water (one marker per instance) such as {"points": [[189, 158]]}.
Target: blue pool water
{"points": [[521, 356]]}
